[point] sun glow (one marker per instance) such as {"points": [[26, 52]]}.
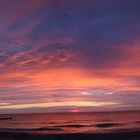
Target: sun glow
{"points": [[59, 104]]}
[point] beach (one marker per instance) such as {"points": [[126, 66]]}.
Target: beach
{"points": [[133, 135]]}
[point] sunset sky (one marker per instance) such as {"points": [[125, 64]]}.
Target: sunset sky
{"points": [[69, 55]]}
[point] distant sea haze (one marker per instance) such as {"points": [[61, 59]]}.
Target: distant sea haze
{"points": [[60, 123]]}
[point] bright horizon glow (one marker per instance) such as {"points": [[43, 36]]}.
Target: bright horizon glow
{"points": [[59, 104]]}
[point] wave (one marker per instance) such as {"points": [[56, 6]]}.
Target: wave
{"points": [[9, 118], [69, 127], [59, 127], [74, 125], [103, 125], [93, 125], [29, 129]]}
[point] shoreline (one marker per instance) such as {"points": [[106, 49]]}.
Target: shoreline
{"points": [[123, 135]]}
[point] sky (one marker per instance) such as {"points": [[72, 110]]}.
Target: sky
{"points": [[69, 55]]}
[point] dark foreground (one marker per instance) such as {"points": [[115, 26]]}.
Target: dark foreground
{"points": [[135, 135]]}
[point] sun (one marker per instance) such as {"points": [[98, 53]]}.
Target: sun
{"points": [[74, 110], [86, 93]]}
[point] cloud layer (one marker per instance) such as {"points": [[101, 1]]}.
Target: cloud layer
{"points": [[53, 51]]}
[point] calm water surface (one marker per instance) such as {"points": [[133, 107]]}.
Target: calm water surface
{"points": [[72, 122]]}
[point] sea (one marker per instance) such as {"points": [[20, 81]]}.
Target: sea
{"points": [[86, 122]]}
